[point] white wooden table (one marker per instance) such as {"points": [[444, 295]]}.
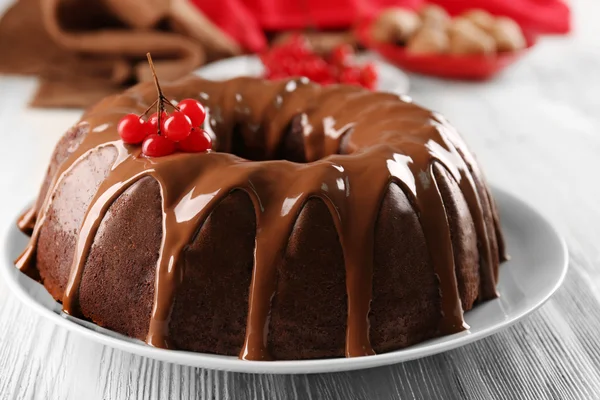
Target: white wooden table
{"points": [[536, 130]]}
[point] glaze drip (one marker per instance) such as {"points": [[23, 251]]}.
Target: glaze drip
{"points": [[355, 143]]}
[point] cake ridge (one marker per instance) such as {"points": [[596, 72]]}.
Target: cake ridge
{"points": [[475, 202], [352, 187]]}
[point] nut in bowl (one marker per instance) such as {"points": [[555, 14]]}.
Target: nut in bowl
{"points": [[474, 45]]}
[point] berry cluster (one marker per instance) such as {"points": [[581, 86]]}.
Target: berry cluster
{"points": [[163, 133], [296, 58]]}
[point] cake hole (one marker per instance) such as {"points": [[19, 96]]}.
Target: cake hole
{"points": [[243, 147], [249, 144]]}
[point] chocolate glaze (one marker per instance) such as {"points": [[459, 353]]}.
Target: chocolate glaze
{"points": [[355, 143]]}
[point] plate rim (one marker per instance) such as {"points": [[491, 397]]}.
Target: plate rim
{"points": [[225, 363]]}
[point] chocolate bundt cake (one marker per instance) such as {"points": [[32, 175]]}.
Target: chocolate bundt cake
{"points": [[328, 222]]}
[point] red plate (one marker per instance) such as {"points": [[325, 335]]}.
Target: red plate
{"points": [[443, 65]]}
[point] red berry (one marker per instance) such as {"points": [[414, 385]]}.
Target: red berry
{"points": [[296, 39], [265, 57], [368, 76], [350, 75], [153, 122], [132, 129], [177, 126], [298, 48], [341, 54], [316, 69], [194, 110], [275, 68], [289, 67], [156, 145], [275, 55], [276, 76], [198, 140]]}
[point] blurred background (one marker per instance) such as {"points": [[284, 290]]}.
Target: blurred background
{"points": [[84, 50], [496, 69], [479, 62]]}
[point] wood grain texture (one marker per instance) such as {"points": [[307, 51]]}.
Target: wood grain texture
{"points": [[536, 130]]}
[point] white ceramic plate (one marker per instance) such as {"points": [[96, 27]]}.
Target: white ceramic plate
{"points": [[537, 268], [391, 79]]}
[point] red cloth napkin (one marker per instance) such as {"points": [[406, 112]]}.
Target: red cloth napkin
{"points": [[246, 20], [237, 19], [539, 16]]}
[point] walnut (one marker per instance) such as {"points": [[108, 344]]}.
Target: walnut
{"points": [[508, 35], [483, 19], [436, 16], [395, 25], [429, 39], [467, 38]]}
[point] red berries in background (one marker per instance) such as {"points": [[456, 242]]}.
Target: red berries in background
{"points": [[197, 141], [156, 145], [368, 76], [296, 58], [350, 75], [177, 126], [315, 69], [340, 56], [180, 129], [194, 110], [133, 129]]}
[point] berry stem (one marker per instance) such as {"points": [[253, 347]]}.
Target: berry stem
{"points": [[166, 101], [162, 100], [148, 109], [155, 77], [159, 111], [161, 97]]}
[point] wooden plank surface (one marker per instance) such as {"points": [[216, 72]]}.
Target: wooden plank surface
{"points": [[536, 130]]}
